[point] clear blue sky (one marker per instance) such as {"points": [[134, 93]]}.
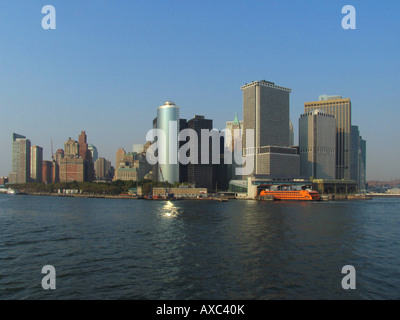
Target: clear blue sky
{"points": [[111, 63]]}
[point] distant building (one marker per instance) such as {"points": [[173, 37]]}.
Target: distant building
{"points": [[234, 146], [120, 154], [21, 158], [317, 145], [100, 168], [341, 109], [291, 134], [86, 154], [36, 163], [201, 174], [3, 181], [137, 148], [59, 155], [72, 169], [363, 166], [55, 172], [47, 168], [94, 152], [71, 148]]}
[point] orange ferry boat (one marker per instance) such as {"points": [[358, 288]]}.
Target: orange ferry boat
{"points": [[288, 192]]}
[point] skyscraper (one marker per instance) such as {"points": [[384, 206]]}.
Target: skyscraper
{"points": [[363, 165], [21, 158], [86, 154], [168, 122], [317, 145], [94, 152], [291, 134], [36, 163], [201, 174], [341, 109], [234, 145], [266, 112]]}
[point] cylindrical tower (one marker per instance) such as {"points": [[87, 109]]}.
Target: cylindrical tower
{"points": [[168, 121]]}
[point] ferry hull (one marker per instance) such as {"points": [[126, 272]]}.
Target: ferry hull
{"points": [[301, 195]]}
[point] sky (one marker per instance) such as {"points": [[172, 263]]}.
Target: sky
{"points": [[109, 64]]}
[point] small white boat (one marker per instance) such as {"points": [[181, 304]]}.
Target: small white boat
{"points": [[12, 191]]}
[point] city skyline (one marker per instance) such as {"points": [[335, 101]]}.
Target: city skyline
{"points": [[67, 88]]}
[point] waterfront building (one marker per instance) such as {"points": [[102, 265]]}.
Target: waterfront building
{"points": [[181, 192], [21, 158], [341, 109], [317, 145], [72, 169], [36, 163], [168, 122], [266, 112], [3, 181]]}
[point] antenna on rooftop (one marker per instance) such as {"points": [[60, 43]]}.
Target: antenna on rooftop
{"points": [[52, 154]]}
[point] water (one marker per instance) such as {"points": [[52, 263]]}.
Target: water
{"points": [[138, 249]]}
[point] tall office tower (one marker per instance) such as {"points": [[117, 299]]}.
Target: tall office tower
{"points": [[94, 152], [266, 112], [21, 157], [363, 166], [341, 109], [168, 122], [233, 146], [85, 153], [36, 163], [291, 134], [183, 168], [100, 168], [201, 174], [317, 145], [47, 172]]}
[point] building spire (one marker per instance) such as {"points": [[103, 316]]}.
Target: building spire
{"points": [[236, 121]]}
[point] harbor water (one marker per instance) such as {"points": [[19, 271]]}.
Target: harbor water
{"points": [[198, 249]]}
